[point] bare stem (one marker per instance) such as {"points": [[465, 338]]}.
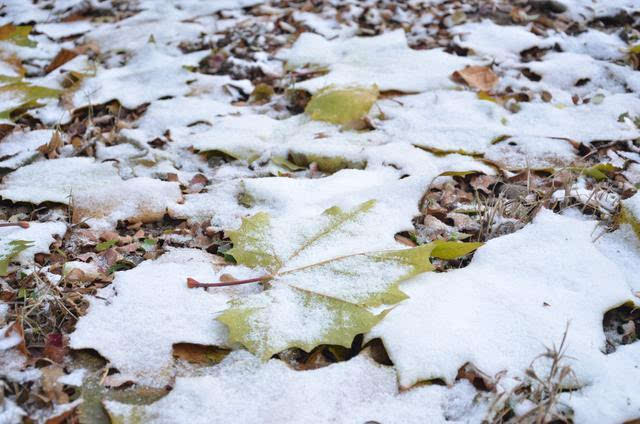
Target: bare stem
{"points": [[21, 224], [193, 283]]}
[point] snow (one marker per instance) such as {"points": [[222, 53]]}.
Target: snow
{"points": [[150, 75], [75, 378], [41, 234], [242, 390], [499, 42], [164, 115], [498, 313], [633, 206], [62, 30], [586, 10], [611, 396], [148, 296], [597, 44], [19, 148], [384, 60], [516, 296], [99, 196]]}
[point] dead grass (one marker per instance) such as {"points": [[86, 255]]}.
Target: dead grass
{"points": [[542, 390]]}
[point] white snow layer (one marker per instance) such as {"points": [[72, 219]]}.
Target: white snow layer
{"points": [[385, 60], [98, 195], [517, 296], [160, 310], [241, 390]]}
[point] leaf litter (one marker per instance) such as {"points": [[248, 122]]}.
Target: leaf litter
{"points": [[202, 201]]}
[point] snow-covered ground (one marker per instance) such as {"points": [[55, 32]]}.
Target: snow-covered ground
{"points": [[419, 211]]}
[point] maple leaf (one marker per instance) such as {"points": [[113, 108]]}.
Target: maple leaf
{"points": [[312, 298]]}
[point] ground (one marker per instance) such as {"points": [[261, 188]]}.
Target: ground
{"points": [[319, 211]]}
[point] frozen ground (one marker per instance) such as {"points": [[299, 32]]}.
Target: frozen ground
{"points": [[414, 212]]}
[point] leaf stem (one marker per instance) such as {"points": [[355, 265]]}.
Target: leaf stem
{"points": [[21, 224], [192, 283]]}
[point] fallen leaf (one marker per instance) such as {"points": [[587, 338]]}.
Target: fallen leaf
{"points": [[199, 354], [281, 317], [50, 385], [18, 35], [341, 105], [10, 250], [51, 149], [55, 347], [478, 77], [63, 56]]}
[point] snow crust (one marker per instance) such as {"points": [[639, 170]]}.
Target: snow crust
{"points": [[41, 234], [516, 296], [242, 390], [99, 196], [384, 60], [141, 346]]}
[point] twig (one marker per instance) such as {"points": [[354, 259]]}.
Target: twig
{"points": [[21, 224], [193, 283]]}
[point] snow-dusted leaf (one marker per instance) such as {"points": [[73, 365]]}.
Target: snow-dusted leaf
{"points": [[277, 319], [18, 35], [322, 302], [154, 310], [243, 389], [516, 296], [631, 213], [98, 194], [385, 60]]}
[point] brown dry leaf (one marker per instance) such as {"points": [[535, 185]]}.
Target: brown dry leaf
{"points": [[479, 77], [482, 182], [404, 240], [118, 380], [61, 417], [376, 351], [315, 360], [51, 148], [199, 354], [63, 56], [76, 274], [197, 183], [480, 380], [55, 347], [463, 222], [50, 385], [16, 327], [109, 235]]}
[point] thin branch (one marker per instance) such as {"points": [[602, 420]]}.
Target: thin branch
{"points": [[192, 283], [21, 224]]}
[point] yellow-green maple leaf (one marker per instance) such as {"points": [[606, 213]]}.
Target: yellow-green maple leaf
{"points": [[323, 302]]}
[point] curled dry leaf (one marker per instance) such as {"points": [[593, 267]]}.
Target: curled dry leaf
{"points": [[199, 354], [52, 148], [478, 77], [63, 56]]}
